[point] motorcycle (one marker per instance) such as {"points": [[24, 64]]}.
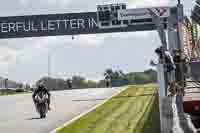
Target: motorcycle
{"points": [[41, 104]]}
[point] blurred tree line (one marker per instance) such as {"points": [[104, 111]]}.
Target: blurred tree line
{"points": [[8, 86], [118, 78], [7, 83]]}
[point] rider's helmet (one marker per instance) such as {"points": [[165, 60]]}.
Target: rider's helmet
{"points": [[41, 85]]}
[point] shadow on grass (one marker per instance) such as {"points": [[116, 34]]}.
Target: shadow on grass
{"points": [[130, 96], [152, 125], [117, 97]]}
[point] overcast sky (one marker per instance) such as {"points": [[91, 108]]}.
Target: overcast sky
{"points": [[25, 59]]}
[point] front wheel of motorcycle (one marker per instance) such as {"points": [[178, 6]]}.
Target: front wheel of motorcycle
{"points": [[42, 116]]}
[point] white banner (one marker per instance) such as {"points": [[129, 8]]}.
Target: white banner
{"points": [[143, 13]]}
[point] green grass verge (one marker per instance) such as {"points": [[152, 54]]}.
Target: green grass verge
{"points": [[6, 93], [135, 110]]}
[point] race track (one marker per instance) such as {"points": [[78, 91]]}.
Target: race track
{"points": [[18, 114]]}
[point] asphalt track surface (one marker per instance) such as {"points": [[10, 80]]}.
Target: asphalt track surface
{"points": [[18, 114]]}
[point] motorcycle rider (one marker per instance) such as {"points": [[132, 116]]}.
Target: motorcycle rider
{"points": [[69, 83], [108, 81], [40, 88]]}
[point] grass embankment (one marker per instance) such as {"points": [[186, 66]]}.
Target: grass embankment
{"points": [[135, 110], [12, 92]]}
